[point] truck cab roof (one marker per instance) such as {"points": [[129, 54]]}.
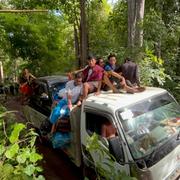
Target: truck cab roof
{"points": [[53, 79], [108, 100]]}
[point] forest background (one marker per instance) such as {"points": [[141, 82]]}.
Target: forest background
{"points": [[57, 40]]}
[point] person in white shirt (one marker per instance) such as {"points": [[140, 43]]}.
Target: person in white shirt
{"points": [[69, 95], [73, 87]]}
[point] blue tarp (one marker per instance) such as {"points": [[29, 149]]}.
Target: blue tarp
{"points": [[60, 140]]}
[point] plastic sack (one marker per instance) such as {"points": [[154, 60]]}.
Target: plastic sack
{"points": [[59, 111], [60, 140]]}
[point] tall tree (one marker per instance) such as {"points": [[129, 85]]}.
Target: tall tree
{"points": [[135, 18], [83, 33]]}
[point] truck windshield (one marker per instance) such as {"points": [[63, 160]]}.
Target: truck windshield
{"points": [[150, 123]]}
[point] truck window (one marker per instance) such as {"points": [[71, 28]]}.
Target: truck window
{"points": [[94, 123], [97, 123]]}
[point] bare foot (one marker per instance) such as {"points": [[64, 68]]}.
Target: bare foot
{"points": [[116, 91], [140, 89], [131, 91]]}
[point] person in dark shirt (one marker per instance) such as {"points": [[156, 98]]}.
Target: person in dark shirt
{"points": [[130, 72]]}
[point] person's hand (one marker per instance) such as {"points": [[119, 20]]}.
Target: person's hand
{"points": [[79, 103]]}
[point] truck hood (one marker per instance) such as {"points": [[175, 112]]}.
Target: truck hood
{"points": [[168, 167]]}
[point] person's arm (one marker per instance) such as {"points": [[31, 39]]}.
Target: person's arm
{"points": [[103, 131], [32, 76], [69, 100], [71, 74], [115, 75]]}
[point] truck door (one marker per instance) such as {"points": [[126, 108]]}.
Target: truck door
{"points": [[93, 124]]}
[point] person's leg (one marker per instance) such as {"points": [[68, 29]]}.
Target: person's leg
{"points": [[133, 89], [86, 88], [123, 84], [108, 83], [129, 83]]}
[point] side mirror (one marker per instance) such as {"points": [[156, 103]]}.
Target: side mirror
{"points": [[44, 96], [116, 149]]}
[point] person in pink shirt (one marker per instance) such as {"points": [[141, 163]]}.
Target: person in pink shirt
{"points": [[93, 75]]}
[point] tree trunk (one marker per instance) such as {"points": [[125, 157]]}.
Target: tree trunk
{"points": [[135, 18], [76, 44], [139, 19], [83, 34], [157, 47], [131, 23], [1, 73]]}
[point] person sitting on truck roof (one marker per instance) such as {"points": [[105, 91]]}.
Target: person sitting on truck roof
{"points": [[100, 62], [69, 95], [110, 68], [92, 77], [130, 72]]}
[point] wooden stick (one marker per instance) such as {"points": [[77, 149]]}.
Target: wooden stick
{"points": [[22, 11]]}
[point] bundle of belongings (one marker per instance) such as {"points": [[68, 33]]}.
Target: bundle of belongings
{"points": [[60, 130]]}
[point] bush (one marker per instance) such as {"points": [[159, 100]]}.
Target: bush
{"points": [[152, 71], [18, 156]]}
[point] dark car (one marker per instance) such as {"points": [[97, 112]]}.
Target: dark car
{"points": [[45, 91]]}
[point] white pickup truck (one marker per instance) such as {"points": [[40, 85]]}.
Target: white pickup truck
{"points": [[147, 123]]}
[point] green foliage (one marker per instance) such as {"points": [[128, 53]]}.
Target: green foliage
{"points": [[117, 24], [105, 162], [152, 70], [46, 47], [174, 87], [99, 39], [18, 156]]}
